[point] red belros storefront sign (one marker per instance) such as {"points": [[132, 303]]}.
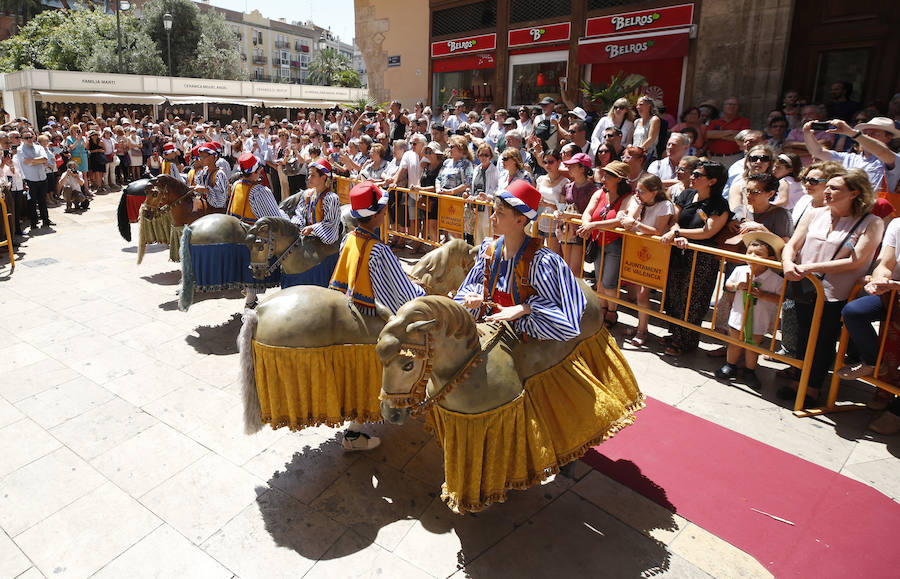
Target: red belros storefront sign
{"points": [[540, 34], [641, 21], [464, 45], [634, 49]]}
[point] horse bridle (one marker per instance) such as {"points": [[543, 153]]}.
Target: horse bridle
{"points": [[270, 252], [153, 211], [415, 398]]}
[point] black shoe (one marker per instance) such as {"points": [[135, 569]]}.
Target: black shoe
{"points": [[727, 372], [48, 223], [751, 380]]}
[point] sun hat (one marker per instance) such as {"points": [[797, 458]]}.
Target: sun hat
{"points": [[579, 113], [579, 159], [366, 199], [617, 169], [879, 124], [770, 239]]}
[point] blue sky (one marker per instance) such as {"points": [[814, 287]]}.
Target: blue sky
{"points": [[336, 14]]}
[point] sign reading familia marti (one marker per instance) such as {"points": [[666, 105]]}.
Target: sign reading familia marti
{"points": [[540, 34], [641, 21], [464, 45]]}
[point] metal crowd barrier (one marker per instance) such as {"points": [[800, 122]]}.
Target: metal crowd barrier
{"points": [[639, 250], [9, 238], [831, 405]]}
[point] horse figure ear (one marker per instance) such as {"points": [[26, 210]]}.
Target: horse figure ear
{"points": [[422, 326]]}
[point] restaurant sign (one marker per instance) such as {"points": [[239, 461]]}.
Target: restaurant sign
{"points": [[464, 45], [641, 21]]}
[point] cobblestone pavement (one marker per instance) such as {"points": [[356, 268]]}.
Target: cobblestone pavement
{"points": [[123, 452]]}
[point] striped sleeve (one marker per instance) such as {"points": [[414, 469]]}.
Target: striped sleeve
{"points": [[327, 229], [174, 172], [559, 303], [474, 282], [390, 284], [299, 216], [262, 202], [218, 192]]}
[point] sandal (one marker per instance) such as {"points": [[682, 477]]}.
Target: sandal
{"points": [[610, 323], [639, 340], [673, 350]]}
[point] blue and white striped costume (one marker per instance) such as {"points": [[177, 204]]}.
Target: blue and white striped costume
{"points": [[218, 187], [329, 227], [262, 203], [390, 284], [558, 304]]}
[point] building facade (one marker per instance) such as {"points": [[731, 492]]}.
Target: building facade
{"points": [[512, 52]]}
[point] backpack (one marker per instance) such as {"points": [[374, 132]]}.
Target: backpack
{"points": [[544, 130]]}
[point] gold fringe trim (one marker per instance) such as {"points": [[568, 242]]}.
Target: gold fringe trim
{"points": [[298, 425]]}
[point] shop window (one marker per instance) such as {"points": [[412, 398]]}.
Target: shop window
{"points": [[532, 81], [474, 87], [601, 4], [464, 18], [848, 65], [528, 10]]}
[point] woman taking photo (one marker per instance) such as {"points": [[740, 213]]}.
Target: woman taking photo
{"points": [[77, 152], [649, 212], [646, 128], [837, 243], [455, 177], [551, 186], [700, 213], [602, 212], [136, 156], [620, 116]]}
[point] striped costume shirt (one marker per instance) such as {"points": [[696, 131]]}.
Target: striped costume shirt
{"points": [[217, 196], [556, 306], [327, 230], [390, 285], [262, 203], [174, 172]]}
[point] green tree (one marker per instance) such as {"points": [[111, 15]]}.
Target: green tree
{"points": [[218, 55], [186, 32], [326, 65], [349, 78]]}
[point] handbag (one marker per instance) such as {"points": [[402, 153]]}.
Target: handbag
{"points": [[591, 250], [803, 291]]}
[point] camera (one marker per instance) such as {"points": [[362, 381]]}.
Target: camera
{"points": [[821, 126], [370, 114]]}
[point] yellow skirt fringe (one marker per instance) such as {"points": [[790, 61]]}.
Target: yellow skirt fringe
{"points": [[301, 387], [561, 413]]}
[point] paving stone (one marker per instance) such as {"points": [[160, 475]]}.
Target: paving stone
{"points": [[12, 561], [29, 380], [60, 403], [23, 441], [103, 428], [356, 557], [191, 405], [715, 556]]}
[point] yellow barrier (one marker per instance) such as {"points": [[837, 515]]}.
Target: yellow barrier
{"points": [[9, 239], [831, 405]]}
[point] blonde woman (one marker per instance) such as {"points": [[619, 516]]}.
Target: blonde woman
{"points": [[511, 168], [620, 116]]}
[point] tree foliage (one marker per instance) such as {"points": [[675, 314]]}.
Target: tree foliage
{"points": [[84, 40], [326, 67], [218, 55], [185, 32]]}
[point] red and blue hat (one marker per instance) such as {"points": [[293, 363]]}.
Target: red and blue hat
{"points": [[207, 147], [366, 199], [323, 166], [522, 197], [249, 164], [169, 148]]}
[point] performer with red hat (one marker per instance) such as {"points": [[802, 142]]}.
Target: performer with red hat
{"points": [[369, 274], [319, 211], [170, 164], [209, 179], [249, 199], [517, 280]]}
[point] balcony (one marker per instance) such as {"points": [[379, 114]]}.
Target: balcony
{"points": [[295, 64], [259, 59], [262, 78], [282, 44]]}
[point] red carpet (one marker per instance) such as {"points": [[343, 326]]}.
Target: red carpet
{"points": [[713, 477]]}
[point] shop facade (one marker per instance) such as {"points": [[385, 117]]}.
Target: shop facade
{"points": [[37, 94]]}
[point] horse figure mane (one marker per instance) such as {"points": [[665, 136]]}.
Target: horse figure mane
{"points": [[277, 225], [452, 319], [434, 265]]}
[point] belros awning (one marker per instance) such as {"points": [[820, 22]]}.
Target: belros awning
{"points": [[200, 99], [99, 97]]}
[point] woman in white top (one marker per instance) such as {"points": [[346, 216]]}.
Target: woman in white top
{"points": [[646, 127], [837, 243], [552, 198], [619, 116], [787, 168], [651, 213], [813, 180], [524, 123], [485, 179]]}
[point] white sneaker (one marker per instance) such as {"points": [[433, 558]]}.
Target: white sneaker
{"points": [[354, 441]]}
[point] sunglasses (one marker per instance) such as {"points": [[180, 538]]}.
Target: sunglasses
{"points": [[759, 158], [484, 156], [813, 181], [550, 161], [697, 174], [604, 152], [620, 108]]}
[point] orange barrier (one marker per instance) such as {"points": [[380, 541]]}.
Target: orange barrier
{"points": [[9, 239]]}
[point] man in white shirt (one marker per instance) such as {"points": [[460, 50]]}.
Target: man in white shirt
{"points": [[666, 169], [547, 105]]}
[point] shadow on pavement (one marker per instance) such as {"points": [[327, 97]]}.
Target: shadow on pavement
{"points": [[164, 278], [151, 248], [218, 340]]}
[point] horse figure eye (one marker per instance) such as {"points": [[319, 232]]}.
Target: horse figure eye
{"points": [[408, 366]]}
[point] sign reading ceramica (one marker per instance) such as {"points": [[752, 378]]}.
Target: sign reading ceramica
{"points": [[464, 45], [450, 214], [324, 92], [642, 21], [207, 87], [645, 262]]}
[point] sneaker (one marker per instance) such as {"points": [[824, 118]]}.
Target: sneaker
{"points": [[354, 441], [751, 380], [727, 372], [854, 371]]}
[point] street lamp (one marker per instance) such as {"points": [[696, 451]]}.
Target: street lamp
{"points": [[120, 5], [167, 24]]}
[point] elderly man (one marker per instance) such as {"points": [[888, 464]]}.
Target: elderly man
{"points": [[666, 169], [548, 114], [880, 163], [721, 133], [514, 139]]}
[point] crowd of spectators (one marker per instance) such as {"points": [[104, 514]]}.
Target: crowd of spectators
{"points": [[816, 187]]}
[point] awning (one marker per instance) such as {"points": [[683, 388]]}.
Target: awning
{"points": [[200, 99], [99, 97], [285, 104], [634, 47]]}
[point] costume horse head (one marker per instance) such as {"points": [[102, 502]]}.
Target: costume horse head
{"points": [[279, 239], [165, 193]]}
